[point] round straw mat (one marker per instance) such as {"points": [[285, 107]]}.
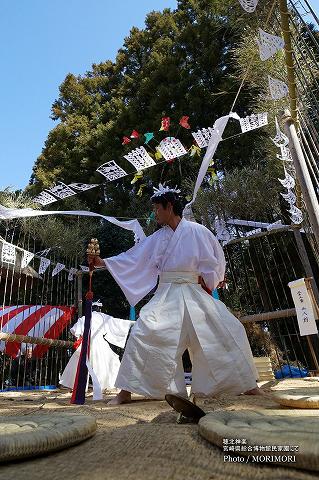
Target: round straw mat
{"points": [[33, 435], [298, 398], [266, 430]]}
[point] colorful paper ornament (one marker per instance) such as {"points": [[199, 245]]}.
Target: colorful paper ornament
{"points": [[278, 89], [251, 122], [140, 190], [134, 134], [171, 147], [126, 140], [140, 159], [137, 177], [61, 191], [165, 124], [268, 44], [184, 122], [158, 154], [194, 150], [44, 198], [148, 137], [111, 171]]}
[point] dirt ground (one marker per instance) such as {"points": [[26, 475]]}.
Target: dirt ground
{"points": [[142, 441]]}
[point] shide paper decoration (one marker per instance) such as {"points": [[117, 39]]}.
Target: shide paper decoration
{"points": [[285, 154], [44, 198], [125, 140], [171, 148], [44, 263], [253, 121], [83, 186], [57, 269], [249, 5], [137, 177], [184, 122], [84, 268], [268, 44], [288, 182], [134, 134], [194, 150], [280, 140], [296, 215], [8, 253], [148, 137], [290, 197], [111, 171], [61, 191], [26, 258], [278, 89], [139, 158]]}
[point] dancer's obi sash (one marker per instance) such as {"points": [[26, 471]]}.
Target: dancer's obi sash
{"points": [[179, 277]]}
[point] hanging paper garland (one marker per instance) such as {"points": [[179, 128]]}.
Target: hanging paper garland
{"points": [[61, 191], [202, 136], [111, 171], [72, 272], [139, 158], [251, 122], [44, 263], [83, 186], [44, 198], [84, 268], [278, 89], [137, 177], [26, 258], [288, 181], [280, 139], [268, 44], [171, 147], [285, 154], [8, 253], [290, 197], [57, 269]]}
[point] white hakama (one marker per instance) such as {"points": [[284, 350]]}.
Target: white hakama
{"points": [[104, 362], [180, 315]]}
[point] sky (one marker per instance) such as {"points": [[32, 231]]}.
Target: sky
{"points": [[41, 42]]}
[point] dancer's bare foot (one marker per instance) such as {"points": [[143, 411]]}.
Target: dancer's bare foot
{"points": [[123, 397]]}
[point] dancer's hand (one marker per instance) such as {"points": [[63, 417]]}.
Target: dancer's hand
{"points": [[95, 262]]}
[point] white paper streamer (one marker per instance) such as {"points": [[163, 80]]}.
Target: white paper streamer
{"points": [[280, 140], [290, 197], [249, 5], [278, 89], [72, 272], [8, 253], [288, 181], [26, 258]]}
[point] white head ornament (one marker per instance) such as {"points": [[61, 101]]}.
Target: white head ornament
{"points": [[98, 303], [162, 189]]}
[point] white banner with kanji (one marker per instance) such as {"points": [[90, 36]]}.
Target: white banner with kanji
{"points": [[305, 309]]}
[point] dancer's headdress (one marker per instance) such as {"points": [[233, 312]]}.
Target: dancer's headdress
{"points": [[97, 303], [162, 189]]}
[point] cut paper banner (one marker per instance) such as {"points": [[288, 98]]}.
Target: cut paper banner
{"points": [[26, 258], [43, 253], [44, 263], [84, 268], [61, 191], [268, 44], [171, 148], [111, 171], [288, 181], [203, 136], [249, 5], [72, 272], [253, 232], [83, 186], [57, 269], [278, 89], [8, 253], [285, 154], [253, 121], [305, 310], [139, 158], [290, 197], [44, 198]]}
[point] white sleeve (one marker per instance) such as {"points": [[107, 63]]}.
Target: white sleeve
{"points": [[116, 330], [134, 271], [212, 262], [78, 328]]}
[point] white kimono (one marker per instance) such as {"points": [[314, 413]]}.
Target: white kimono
{"points": [[103, 361], [180, 315]]}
